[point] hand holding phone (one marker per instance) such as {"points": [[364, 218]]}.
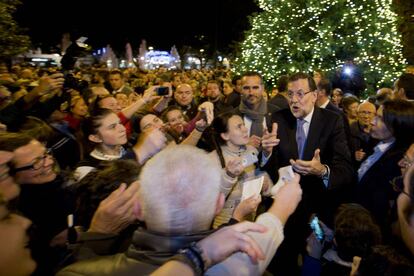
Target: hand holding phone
{"points": [[317, 228], [203, 114], [162, 91]]}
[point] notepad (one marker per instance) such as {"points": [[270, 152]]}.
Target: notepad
{"points": [[252, 187], [285, 174]]}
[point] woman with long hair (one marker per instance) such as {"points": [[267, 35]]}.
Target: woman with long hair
{"points": [[231, 140], [106, 136]]}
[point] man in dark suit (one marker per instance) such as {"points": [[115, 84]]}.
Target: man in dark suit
{"points": [[393, 126], [117, 82], [313, 141], [234, 97], [361, 142], [253, 108], [281, 97], [215, 96], [324, 92]]}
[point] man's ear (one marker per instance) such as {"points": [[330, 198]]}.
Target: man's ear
{"points": [[94, 138], [220, 203], [401, 93]]}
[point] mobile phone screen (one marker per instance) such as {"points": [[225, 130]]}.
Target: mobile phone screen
{"points": [[162, 91], [317, 229]]}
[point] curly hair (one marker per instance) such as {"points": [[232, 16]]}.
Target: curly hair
{"points": [[355, 231], [385, 260]]}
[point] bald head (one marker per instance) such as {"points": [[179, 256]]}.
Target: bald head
{"points": [[183, 86], [179, 201], [183, 94], [366, 112], [367, 106]]}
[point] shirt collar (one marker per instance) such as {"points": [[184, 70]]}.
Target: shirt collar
{"points": [[308, 118], [120, 89], [325, 104], [97, 154], [383, 146]]}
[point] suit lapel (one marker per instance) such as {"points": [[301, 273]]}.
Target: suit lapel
{"points": [[312, 141], [291, 135]]}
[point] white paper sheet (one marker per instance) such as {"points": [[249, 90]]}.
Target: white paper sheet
{"points": [[252, 187], [285, 174]]}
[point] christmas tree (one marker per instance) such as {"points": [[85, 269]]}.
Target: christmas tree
{"points": [[12, 42], [303, 35]]}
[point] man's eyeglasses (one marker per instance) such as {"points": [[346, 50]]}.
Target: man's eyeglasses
{"points": [[366, 113], [37, 164], [398, 186], [299, 94]]}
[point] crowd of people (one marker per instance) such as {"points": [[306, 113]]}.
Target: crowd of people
{"points": [[130, 172]]}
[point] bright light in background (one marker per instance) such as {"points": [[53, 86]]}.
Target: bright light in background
{"points": [[150, 48], [39, 59], [348, 70]]}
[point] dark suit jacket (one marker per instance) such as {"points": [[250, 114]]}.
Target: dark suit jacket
{"points": [[374, 191], [333, 108], [220, 106], [358, 139], [280, 101], [326, 132], [233, 99], [339, 111]]}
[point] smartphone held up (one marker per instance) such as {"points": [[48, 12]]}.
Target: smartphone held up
{"points": [[162, 91], [317, 228]]}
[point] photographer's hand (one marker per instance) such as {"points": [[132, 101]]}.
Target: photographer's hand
{"points": [[50, 83], [208, 108], [150, 94], [46, 85], [314, 246], [149, 143]]}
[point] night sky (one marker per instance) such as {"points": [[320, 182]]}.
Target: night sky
{"points": [[161, 23]]}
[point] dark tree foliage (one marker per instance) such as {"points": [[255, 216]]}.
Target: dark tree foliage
{"points": [[12, 42]]}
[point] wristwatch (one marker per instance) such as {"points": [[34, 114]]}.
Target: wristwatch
{"points": [[191, 257], [325, 173]]}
